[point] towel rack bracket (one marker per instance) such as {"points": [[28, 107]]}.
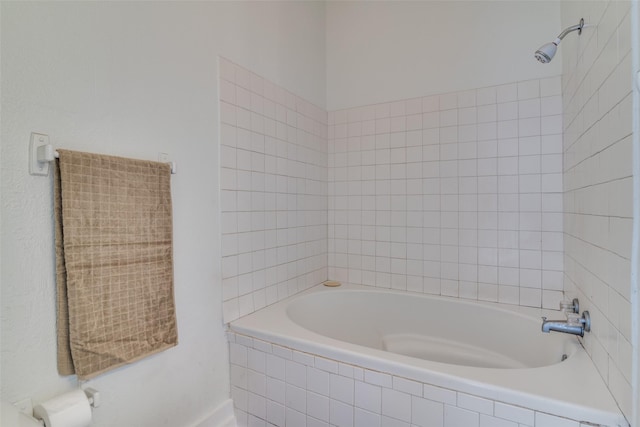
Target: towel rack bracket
{"points": [[39, 149]]}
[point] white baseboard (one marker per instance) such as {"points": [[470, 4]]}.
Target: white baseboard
{"points": [[222, 416]]}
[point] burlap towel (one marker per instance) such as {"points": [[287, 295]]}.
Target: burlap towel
{"points": [[114, 261]]}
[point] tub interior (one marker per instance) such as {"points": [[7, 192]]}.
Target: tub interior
{"points": [[447, 351], [432, 329]]}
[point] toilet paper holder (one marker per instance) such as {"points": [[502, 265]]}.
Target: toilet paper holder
{"points": [[68, 409]]}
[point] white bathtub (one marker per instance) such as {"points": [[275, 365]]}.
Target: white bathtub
{"points": [[488, 350]]}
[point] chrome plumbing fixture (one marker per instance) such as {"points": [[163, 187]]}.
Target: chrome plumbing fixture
{"points": [[570, 307], [575, 324], [547, 51]]}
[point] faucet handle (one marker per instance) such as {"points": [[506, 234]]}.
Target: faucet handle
{"points": [[570, 307], [586, 321], [544, 319], [574, 319]]}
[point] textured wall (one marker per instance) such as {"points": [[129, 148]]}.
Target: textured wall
{"points": [[598, 187], [132, 79], [458, 194]]}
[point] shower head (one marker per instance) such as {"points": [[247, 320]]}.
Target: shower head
{"points": [[547, 51]]}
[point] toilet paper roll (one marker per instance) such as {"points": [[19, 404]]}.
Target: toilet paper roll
{"points": [[67, 410]]}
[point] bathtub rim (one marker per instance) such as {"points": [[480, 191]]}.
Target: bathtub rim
{"points": [[272, 324]]}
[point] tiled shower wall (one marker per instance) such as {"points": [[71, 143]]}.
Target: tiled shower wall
{"points": [[458, 194], [598, 185], [273, 192]]}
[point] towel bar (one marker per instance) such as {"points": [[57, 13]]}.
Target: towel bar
{"points": [[46, 153]]}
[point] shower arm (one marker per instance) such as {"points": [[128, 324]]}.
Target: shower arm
{"points": [[568, 30]]}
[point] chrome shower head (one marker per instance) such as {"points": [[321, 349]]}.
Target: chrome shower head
{"points": [[547, 51]]}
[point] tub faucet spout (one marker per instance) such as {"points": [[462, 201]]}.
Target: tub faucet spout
{"points": [[573, 325]]}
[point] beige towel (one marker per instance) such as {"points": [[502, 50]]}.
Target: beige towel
{"points": [[114, 261]]}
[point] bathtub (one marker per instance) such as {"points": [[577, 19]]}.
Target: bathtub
{"points": [[493, 353]]}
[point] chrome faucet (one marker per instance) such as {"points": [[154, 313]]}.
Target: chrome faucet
{"points": [[575, 324]]}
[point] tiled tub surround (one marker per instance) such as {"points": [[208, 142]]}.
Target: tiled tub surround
{"points": [[273, 192], [283, 374], [598, 189], [458, 194]]}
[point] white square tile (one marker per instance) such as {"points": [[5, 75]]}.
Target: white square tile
{"points": [[551, 182], [530, 278], [551, 125], [530, 297], [507, 111], [532, 126], [257, 405], [318, 406], [551, 105], [457, 417], [304, 358], [486, 96], [238, 376], [529, 108], [528, 89], [253, 421], [364, 418], [296, 374], [514, 413], [467, 98], [377, 378], [487, 131], [551, 298], [342, 389], [368, 396], [426, 413], [509, 129], [447, 101], [431, 120], [508, 294], [475, 404], [396, 404], [413, 106], [550, 86], [318, 381], [439, 394], [467, 115], [275, 413], [341, 414], [276, 390], [298, 419], [507, 92], [407, 386]]}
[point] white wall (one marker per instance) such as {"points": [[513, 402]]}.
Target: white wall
{"points": [[133, 79], [598, 185], [387, 51]]}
